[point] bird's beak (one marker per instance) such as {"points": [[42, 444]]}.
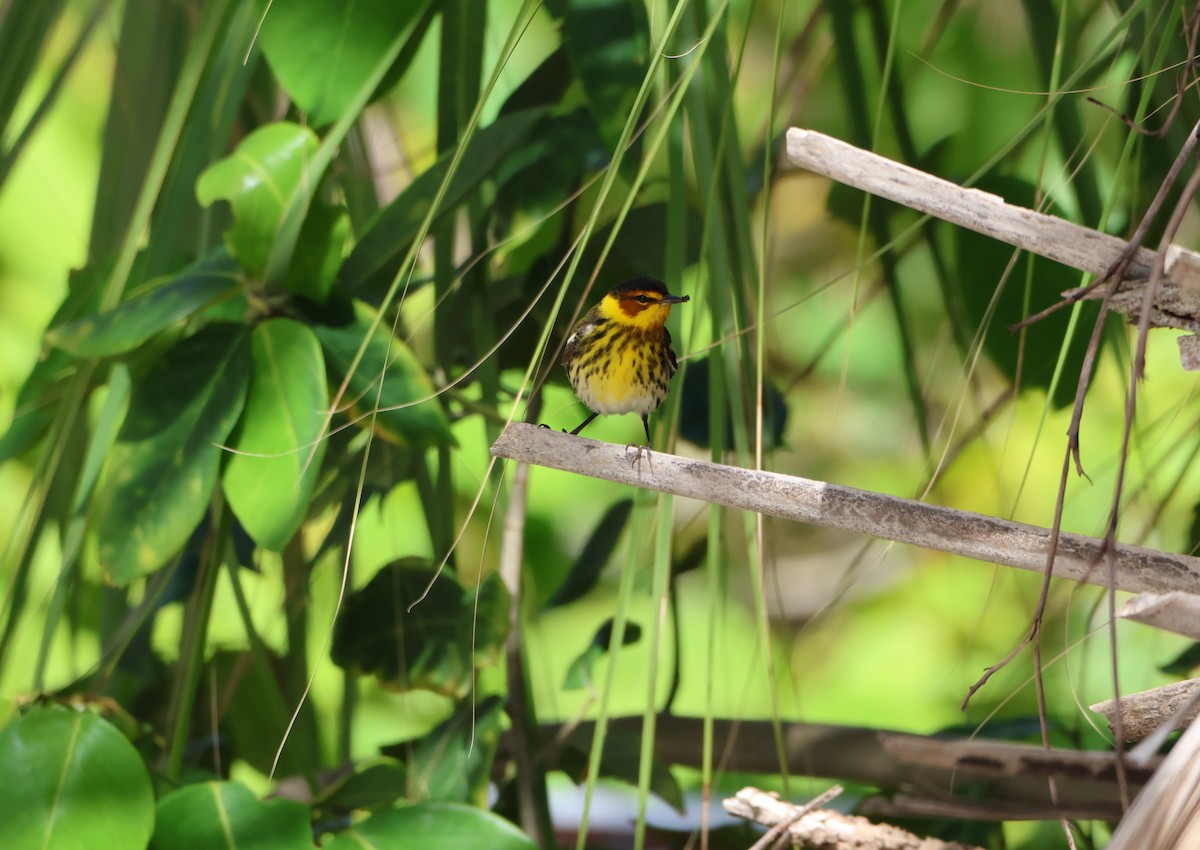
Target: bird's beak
{"points": [[675, 299]]}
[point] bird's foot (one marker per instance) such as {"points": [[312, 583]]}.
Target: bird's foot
{"points": [[638, 451]]}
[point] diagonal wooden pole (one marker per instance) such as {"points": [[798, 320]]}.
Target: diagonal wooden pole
{"points": [[971, 535]]}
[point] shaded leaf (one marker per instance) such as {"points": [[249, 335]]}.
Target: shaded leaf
{"points": [[579, 674], [695, 422], [324, 52], [374, 785], [585, 572], [133, 322], [1184, 663], [324, 238], [621, 760], [71, 774], [35, 401], [453, 763], [408, 412], [227, 816], [539, 174], [277, 452], [257, 179], [607, 42], [981, 265], [376, 258], [544, 87], [163, 468], [435, 646], [433, 826]]}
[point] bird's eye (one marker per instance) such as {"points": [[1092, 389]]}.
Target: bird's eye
{"points": [[643, 299]]}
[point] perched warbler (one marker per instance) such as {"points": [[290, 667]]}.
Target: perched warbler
{"points": [[619, 357]]}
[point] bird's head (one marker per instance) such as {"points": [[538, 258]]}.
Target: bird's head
{"points": [[641, 303]]}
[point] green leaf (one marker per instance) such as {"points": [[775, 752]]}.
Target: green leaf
{"points": [[72, 781], [579, 674], [438, 644], [585, 572], [257, 179], [324, 238], [433, 826], [374, 785], [981, 263], [277, 450], [163, 468], [227, 816], [540, 173], [622, 759], [408, 412], [1183, 663], [138, 319], [376, 258], [453, 763], [607, 42], [324, 52], [35, 400]]}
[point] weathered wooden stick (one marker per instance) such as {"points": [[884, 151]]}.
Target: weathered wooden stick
{"points": [[1176, 612], [971, 535], [1178, 304]]}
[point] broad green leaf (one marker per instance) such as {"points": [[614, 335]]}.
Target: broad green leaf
{"points": [[607, 42], [138, 319], [277, 452], [374, 785], [585, 572], [579, 674], [1028, 358], [438, 644], [324, 52], [540, 173], [257, 179], [72, 781], [408, 412], [324, 238], [227, 816], [380, 249], [163, 468], [453, 763], [622, 759], [35, 400], [433, 826]]}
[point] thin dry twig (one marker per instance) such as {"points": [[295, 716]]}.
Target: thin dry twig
{"points": [[825, 829]]}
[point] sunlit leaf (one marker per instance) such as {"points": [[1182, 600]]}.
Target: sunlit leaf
{"points": [[163, 468], [433, 826], [72, 776], [138, 319], [324, 52], [257, 179], [277, 455], [408, 413], [227, 816], [438, 644]]}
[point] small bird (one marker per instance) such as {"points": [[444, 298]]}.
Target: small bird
{"points": [[619, 357]]}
